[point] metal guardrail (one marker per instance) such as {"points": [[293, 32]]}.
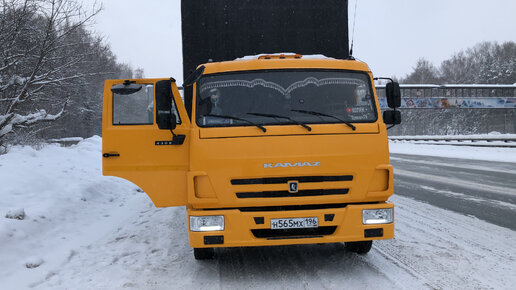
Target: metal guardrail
{"points": [[481, 141], [66, 141]]}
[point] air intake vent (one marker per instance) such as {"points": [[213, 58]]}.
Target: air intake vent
{"points": [[300, 179], [286, 193], [294, 233]]}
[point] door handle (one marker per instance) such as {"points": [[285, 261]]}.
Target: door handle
{"points": [[107, 155]]}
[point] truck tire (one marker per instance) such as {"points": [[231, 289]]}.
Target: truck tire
{"points": [[204, 253], [359, 247]]}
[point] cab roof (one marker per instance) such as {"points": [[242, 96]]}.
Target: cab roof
{"points": [[248, 64]]}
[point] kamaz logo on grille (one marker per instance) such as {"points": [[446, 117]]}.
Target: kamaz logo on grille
{"points": [[293, 186], [287, 164]]}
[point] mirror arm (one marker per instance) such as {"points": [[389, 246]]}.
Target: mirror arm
{"points": [[382, 78], [392, 124], [177, 139], [394, 110], [194, 76]]}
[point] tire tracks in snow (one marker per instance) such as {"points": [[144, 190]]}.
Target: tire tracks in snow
{"points": [[449, 250], [454, 181], [403, 266], [433, 248]]}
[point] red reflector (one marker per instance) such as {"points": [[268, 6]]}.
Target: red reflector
{"points": [[279, 56]]}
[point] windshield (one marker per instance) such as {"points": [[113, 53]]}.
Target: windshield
{"points": [[284, 97]]}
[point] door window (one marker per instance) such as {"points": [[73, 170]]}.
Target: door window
{"points": [[134, 109], [137, 108]]}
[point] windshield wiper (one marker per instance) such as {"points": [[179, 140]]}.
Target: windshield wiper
{"points": [[326, 115], [282, 117], [238, 119]]}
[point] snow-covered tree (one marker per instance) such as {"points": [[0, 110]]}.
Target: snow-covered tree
{"points": [[496, 63], [35, 57], [484, 63], [51, 70]]}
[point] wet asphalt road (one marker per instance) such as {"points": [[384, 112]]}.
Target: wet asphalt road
{"points": [[483, 189]]}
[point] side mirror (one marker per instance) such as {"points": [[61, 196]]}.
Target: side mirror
{"points": [[127, 88], [194, 76], [391, 117], [164, 117], [393, 93]]}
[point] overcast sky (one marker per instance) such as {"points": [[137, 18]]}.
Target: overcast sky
{"points": [[389, 35]]}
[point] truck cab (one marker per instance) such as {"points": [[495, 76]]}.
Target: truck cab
{"points": [[269, 150]]}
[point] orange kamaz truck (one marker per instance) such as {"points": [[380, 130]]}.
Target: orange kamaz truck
{"points": [[263, 147]]}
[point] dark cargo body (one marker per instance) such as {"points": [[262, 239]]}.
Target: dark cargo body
{"points": [[227, 29]]}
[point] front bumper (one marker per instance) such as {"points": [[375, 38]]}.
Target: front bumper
{"points": [[244, 228]]}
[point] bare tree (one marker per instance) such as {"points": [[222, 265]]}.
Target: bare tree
{"points": [[423, 73], [37, 57], [458, 69]]}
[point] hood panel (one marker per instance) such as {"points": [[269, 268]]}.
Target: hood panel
{"points": [[256, 171]]}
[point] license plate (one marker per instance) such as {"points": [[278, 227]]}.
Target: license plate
{"points": [[295, 223]]}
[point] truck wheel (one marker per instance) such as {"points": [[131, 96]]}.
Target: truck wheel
{"points": [[359, 247], [204, 253]]}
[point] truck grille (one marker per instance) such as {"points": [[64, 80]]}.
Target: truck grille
{"points": [[300, 179], [287, 193], [294, 233]]}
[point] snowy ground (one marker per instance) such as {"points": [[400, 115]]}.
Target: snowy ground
{"points": [[466, 152], [85, 231]]}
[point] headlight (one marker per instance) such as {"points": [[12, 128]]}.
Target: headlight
{"points": [[207, 223], [377, 216]]}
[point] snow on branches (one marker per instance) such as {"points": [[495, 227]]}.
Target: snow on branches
{"points": [[484, 63], [9, 122], [45, 51]]}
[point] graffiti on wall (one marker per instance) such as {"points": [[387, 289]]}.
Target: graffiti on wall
{"points": [[443, 103]]}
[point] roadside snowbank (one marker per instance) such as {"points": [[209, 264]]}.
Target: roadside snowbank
{"points": [[491, 135], [65, 201], [450, 151]]}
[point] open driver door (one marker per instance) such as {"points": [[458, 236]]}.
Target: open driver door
{"points": [[145, 137]]}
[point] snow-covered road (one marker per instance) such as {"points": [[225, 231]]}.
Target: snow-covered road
{"points": [[91, 232], [484, 189], [433, 248]]}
